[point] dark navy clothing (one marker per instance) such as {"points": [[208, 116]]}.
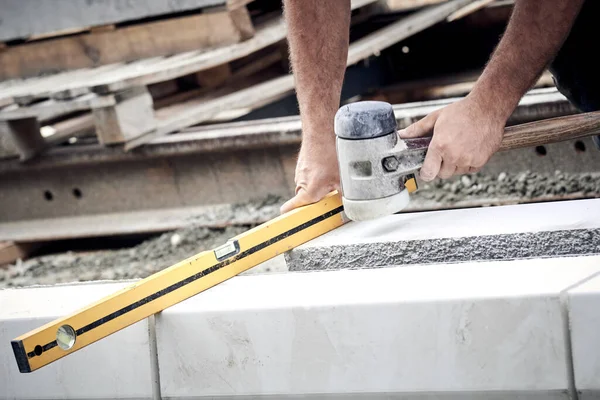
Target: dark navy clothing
{"points": [[576, 67]]}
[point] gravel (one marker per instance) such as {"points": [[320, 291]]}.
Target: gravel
{"points": [[504, 186], [137, 262], [160, 252]]}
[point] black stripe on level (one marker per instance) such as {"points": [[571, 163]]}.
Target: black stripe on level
{"points": [[192, 278], [22, 361]]}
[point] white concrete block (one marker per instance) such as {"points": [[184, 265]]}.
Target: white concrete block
{"points": [[584, 320], [473, 330], [115, 367], [492, 233]]}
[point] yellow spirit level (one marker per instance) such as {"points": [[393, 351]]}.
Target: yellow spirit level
{"points": [[187, 278]]}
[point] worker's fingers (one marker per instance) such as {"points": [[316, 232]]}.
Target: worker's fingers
{"points": [[462, 171], [300, 199], [421, 127], [446, 170], [303, 197], [431, 165]]}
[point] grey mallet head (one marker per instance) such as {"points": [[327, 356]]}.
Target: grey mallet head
{"points": [[365, 132]]}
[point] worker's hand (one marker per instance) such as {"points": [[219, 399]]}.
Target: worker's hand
{"points": [[317, 173], [465, 136]]}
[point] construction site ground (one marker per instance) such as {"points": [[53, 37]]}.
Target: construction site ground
{"points": [[159, 252]]}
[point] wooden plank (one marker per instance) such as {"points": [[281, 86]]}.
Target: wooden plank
{"points": [[126, 44], [197, 111], [72, 127], [402, 29], [405, 5], [53, 34], [102, 28], [163, 89], [468, 9], [5, 101], [164, 96], [233, 4], [40, 87], [8, 148], [213, 77], [439, 88], [11, 252], [79, 84], [131, 116], [267, 34], [51, 109], [270, 33], [241, 19], [62, 86], [25, 135], [22, 19]]}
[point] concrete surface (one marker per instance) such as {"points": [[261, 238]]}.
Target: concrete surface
{"points": [[497, 233], [584, 319], [477, 330], [117, 367]]}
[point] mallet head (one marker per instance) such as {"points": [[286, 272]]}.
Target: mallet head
{"points": [[376, 166]]}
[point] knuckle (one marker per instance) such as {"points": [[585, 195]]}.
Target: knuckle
{"points": [[443, 146], [478, 163], [450, 157]]}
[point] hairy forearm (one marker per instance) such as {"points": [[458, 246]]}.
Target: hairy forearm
{"points": [[535, 33], [318, 39]]}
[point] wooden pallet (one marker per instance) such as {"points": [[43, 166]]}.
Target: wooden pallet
{"points": [[109, 44], [122, 107]]}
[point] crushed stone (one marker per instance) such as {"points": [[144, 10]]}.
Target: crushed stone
{"points": [[169, 248], [522, 185], [140, 261]]}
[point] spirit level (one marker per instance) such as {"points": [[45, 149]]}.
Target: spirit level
{"points": [[187, 278]]}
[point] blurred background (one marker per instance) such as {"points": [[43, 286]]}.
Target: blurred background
{"points": [[134, 134]]}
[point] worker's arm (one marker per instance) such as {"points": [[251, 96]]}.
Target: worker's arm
{"points": [[467, 133], [318, 40]]}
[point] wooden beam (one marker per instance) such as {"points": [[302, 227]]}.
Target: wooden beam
{"points": [[51, 109], [25, 135], [439, 88], [62, 131], [11, 252], [268, 34], [405, 5], [164, 94], [151, 39], [468, 9], [404, 28], [131, 116], [241, 19], [214, 77], [8, 148]]}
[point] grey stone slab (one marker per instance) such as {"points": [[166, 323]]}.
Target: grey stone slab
{"points": [[584, 321], [479, 330], [496, 233], [115, 367]]}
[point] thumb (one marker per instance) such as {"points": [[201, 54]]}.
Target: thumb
{"points": [[421, 127], [303, 197]]}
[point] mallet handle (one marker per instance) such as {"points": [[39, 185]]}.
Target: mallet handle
{"points": [[551, 130]]}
